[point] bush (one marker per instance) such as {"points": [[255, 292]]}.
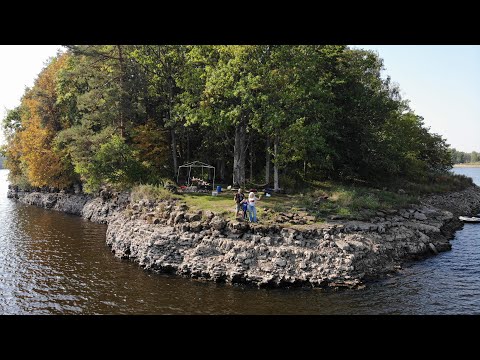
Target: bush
{"points": [[151, 193], [112, 164]]}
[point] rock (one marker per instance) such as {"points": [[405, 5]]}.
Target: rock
{"points": [[193, 217], [281, 219], [196, 226], [419, 216], [209, 215], [433, 248], [217, 223], [336, 217], [391, 211], [50, 201], [281, 262], [338, 254], [343, 245], [178, 218]]}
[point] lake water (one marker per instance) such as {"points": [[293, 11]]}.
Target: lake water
{"points": [[54, 263]]}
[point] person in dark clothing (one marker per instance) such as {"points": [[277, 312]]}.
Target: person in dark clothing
{"points": [[239, 197]]}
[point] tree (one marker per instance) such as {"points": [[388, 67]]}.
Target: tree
{"points": [[122, 114], [474, 157], [108, 86], [226, 100], [163, 66]]}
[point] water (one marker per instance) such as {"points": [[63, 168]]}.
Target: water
{"points": [[53, 263]]}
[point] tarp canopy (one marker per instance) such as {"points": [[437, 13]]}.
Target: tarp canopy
{"points": [[196, 164]]}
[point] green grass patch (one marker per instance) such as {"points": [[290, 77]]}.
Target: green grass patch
{"points": [[222, 204], [347, 200], [437, 184], [322, 199]]}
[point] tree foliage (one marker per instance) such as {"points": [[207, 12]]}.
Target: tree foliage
{"points": [[125, 114], [460, 157]]}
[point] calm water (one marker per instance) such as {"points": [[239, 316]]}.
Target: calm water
{"points": [[53, 263]]}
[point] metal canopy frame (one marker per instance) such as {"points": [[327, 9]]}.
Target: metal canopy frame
{"points": [[196, 164]]}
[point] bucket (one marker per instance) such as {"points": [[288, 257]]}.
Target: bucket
{"points": [[219, 189]]}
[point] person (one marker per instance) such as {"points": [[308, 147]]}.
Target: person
{"points": [[252, 199], [239, 197], [245, 209]]}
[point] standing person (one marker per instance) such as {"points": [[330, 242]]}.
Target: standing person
{"points": [[245, 209], [239, 197], [252, 210]]}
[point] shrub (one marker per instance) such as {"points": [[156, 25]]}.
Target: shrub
{"points": [[151, 193]]}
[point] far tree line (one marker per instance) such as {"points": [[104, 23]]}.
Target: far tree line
{"points": [[267, 114], [460, 157]]}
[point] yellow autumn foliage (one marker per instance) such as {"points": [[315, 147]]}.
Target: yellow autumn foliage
{"points": [[32, 148]]}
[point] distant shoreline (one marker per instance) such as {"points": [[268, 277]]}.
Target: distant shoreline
{"points": [[474, 165]]}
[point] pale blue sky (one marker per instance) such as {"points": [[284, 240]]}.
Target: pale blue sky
{"points": [[442, 83], [19, 67]]}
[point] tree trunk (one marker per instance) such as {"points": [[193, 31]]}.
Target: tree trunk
{"points": [[188, 145], [172, 124], [174, 151], [251, 161], [267, 162], [275, 165], [122, 102], [220, 170], [239, 154]]}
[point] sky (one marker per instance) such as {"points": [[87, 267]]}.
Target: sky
{"points": [[441, 82], [19, 66]]}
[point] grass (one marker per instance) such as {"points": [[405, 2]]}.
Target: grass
{"points": [[321, 199], [151, 192], [222, 204], [347, 201], [438, 184], [351, 201]]}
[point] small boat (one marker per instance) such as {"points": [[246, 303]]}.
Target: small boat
{"points": [[469, 219]]}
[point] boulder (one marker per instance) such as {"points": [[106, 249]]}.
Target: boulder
{"points": [[217, 223], [420, 216]]}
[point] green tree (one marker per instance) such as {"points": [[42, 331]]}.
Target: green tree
{"points": [[224, 98], [474, 157], [163, 66]]}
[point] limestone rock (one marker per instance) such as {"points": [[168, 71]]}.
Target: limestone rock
{"points": [[419, 216], [217, 223], [339, 253], [280, 262]]}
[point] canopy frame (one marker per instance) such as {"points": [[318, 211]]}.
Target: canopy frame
{"points": [[196, 164]]}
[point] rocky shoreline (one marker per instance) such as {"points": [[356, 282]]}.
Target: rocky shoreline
{"points": [[166, 237]]}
